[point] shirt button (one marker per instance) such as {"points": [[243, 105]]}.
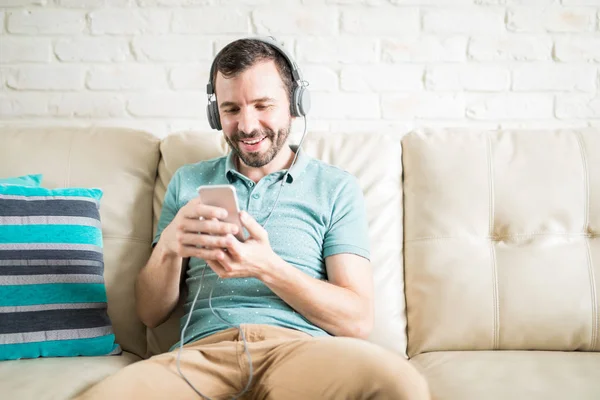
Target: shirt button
{"points": [[256, 196]]}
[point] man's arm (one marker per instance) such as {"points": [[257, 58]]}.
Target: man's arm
{"points": [[157, 286], [343, 306]]}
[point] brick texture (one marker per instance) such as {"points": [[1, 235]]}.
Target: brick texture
{"points": [[372, 65]]}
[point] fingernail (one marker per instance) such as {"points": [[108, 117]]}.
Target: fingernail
{"points": [[243, 215]]}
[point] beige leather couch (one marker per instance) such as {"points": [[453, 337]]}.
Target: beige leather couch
{"points": [[485, 248]]}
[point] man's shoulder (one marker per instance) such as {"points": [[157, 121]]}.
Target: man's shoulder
{"points": [[204, 166], [333, 174]]}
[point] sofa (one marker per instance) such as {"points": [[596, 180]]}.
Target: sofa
{"points": [[485, 250]]}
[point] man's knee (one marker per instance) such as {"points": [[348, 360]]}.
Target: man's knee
{"points": [[388, 374], [404, 380]]}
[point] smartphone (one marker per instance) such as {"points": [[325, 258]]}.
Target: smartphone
{"points": [[224, 196]]}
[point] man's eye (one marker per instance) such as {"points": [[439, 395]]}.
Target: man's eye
{"points": [[262, 106], [230, 111]]}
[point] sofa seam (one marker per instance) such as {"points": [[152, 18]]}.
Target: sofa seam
{"points": [[500, 237], [586, 186], [594, 297], [586, 216], [491, 235]]}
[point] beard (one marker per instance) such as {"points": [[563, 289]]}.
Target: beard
{"points": [[257, 159]]}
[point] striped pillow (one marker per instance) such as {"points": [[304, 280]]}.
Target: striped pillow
{"points": [[25, 180], [52, 292]]}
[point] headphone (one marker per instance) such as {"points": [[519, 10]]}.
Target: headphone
{"points": [[300, 101]]}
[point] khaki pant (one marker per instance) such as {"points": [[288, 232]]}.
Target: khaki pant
{"points": [[288, 365]]}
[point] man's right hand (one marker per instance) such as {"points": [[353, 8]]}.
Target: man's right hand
{"points": [[196, 231]]}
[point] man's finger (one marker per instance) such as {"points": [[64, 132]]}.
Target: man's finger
{"points": [[217, 268], [205, 254], [223, 268], [233, 246], [212, 226], [210, 241], [199, 210], [253, 227]]}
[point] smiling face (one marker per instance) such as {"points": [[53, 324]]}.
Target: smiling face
{"points": [[254, 109]]}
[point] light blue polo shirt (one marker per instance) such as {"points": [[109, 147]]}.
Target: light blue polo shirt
{"points": [[321, 212]]}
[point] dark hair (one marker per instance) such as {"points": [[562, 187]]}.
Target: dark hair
{"points": [[242, 54]]}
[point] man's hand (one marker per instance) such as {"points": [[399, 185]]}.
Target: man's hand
{"points": [[247, 259], [197, 232]]}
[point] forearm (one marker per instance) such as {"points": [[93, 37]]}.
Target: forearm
{"points": [[157, 286], [335, 309]]}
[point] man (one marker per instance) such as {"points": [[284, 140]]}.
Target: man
{"points": [[299, 290]]}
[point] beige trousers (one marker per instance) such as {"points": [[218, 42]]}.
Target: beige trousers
{"points": [[287, 365]]}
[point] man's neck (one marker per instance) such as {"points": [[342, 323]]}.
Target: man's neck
{"points": [[282, 160]]}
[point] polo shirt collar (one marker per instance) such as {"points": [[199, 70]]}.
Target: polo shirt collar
{"points": [[299, 165]]}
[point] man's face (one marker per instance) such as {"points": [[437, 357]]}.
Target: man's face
{"points": [[255, 113]]}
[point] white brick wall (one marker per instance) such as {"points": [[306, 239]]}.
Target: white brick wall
{"points": [[372, 65]]}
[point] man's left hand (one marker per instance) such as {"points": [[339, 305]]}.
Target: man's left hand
{"points": [[248, 258]]}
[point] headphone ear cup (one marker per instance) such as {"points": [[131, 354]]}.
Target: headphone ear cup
{"points": [[301, 101], [210, 116], [294, 106], [304, 101], [213, 116], [217, 117]]}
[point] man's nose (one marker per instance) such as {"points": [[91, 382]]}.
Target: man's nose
{"points": [[248, 120]]}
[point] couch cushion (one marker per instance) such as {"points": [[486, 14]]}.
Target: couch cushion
{"points": [[501, 375], [502, 246], [122, 162], [58, 377], [376, 161]]}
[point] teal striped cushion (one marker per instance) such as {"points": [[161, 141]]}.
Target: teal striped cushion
{"points": [[25, 180], [52, 293]]}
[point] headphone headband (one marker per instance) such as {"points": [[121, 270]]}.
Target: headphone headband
{"points": [[270, 40]]}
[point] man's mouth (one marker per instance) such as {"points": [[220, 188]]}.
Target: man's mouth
{"points": [[253, 144], [253, 141]]}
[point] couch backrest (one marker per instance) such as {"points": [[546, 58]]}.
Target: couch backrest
{"points": [[502, 247], [122, 162], [376, 161]]}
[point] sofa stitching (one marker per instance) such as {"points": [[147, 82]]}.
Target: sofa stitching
{"points": [[490, 187], [594, 297], [586, 221], [492, 250], [495, 295], [586, 186], [503, 237]]}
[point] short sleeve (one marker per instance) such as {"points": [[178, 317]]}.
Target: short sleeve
{"points": [[169, 207], [348, 230]]}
